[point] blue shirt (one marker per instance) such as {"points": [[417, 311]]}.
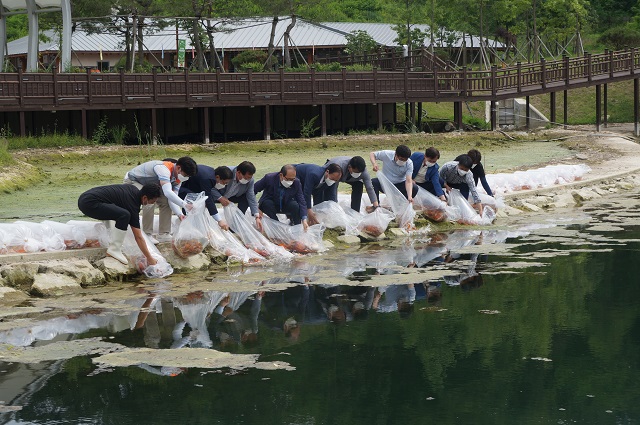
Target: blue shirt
{"points": [[392, 171]]}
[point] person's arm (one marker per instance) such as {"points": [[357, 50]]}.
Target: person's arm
{"points": [[302, 204], [142, 244], [175, 202], [366, 179], [372, 157], [251, 198], [483, 180], [408, 185], [477, 203], [260, 185], [435, 181]]}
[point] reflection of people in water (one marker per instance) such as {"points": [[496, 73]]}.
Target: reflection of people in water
{"points": [[469, 279], [392, 298]]}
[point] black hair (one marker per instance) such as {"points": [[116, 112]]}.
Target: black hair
{"points": [[334, 168], [432, 152], [475, 155], [464, 160], [188, 165], [151, 191], [286, 168], [358, 163], [403, 151], [224, 173], [246, 167]]}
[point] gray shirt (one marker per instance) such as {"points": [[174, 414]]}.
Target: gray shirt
{"points": [[235, 188], [343, 162], [394, 172], [449, 173]]}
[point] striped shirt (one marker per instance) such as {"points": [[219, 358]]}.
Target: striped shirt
{"points": [[449, 173]]}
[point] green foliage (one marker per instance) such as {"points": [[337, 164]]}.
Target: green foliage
{"points": [[249, 57], [414, 36], [55, 140], [620, 37], [328, 67], [5, 156], [308, 128], [360, 43], [101, 134], [254, 66]]}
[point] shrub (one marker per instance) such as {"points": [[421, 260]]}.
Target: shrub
{"points": [[307, 129], [620, 37], [252, 57]]}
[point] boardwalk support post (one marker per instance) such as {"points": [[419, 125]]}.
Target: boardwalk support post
{"points": [[566, 108], [604, 105], [598, 107], [267, 123], [205, 124], [457, 114], [379, 116], [494, 116], [528, 112], [323, 120], [154, 126], [636, 95], [552, 106]]}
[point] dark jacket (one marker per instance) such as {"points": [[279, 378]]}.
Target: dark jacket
{"points": [[310, 176], [205, 181], [270, 186], [432, 175], [478, 174]]}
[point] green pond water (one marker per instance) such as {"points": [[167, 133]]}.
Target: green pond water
{"points": [[537, 324]]}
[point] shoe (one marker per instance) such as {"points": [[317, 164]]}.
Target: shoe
{"points": [[152, 239], [115, 246], [164, 237]]}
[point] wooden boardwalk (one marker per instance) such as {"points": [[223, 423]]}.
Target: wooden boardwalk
{"points": [[90, 91]]}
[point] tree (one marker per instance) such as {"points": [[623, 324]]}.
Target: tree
{"points": [[360, 43]]}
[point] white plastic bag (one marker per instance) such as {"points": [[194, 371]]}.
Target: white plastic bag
{"points": [[294, 238], [468, 214], [373, 225], [19, 239], [73, 237], [330, 214], [191, 237], [251, 238], [50, 240], [226, 243], [131, 250], [401, 207], [95, 232]]}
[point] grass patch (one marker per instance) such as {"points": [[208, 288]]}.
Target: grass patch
{"points": [[6, 158], [19, 176], [46, 141]]}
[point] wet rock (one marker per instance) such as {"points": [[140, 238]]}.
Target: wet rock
{"points": [[624, 185], [81, 270], [20, 275], [582, 157], [529, 207], [52, 284], [563, 200], [11, 294], [539, 201], [395, 231], [600, 191], [584, 194], [189, 264], [328, 244], [114, 269], [349, 239], [508, 210]]}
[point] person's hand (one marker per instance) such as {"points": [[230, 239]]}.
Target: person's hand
{"points": [[375, 167], [225, 301], [223, 225], [151, 261], [443, 198], [224, 201], [305, 225], [182, 217], [259, 222], [188, 206], [312, 217], [447, 188], [410, 199], [478, 207]]}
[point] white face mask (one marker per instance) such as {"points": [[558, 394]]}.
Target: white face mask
{"points": [[330, 182], [220, 186], [430, 164], [462, 172], [355, 175], [400, 163], [183, 178], [243, 181], [286, 183], [474, 166]]}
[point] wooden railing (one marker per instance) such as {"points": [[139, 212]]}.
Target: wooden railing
{"points": [[49, 91], [391, 60]]}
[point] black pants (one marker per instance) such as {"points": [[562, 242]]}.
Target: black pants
{"points": [[291, 209], [325, 193], [242, 202], [356, 195], [91, 207], [462, 187], [377, 187], [428, 186]]}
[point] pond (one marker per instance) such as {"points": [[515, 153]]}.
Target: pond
{"points": [[537, 322]]}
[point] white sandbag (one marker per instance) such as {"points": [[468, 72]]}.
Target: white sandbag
{"points": [[95, 232], [51, 240]]}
